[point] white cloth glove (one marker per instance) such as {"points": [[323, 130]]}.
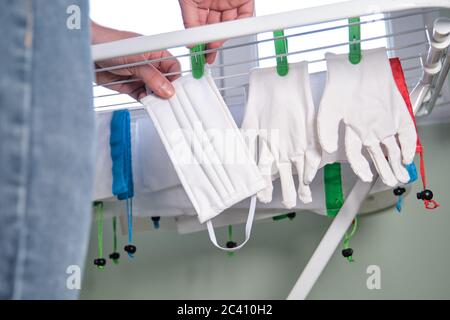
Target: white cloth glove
{"points": [[280, 112], [366, 99]]}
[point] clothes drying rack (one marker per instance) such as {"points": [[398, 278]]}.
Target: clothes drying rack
{"points": [[434, 63]]}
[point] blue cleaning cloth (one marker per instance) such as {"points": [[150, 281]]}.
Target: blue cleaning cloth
{"points": [[120, 143]]}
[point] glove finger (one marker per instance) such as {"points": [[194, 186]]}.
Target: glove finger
{"points": [[382, 165], [407, 136], [287, 185], [265, 195], [328, 120], [250, 137], [304, 192], [265, 165], [395, 160], [353, 148], [312, 162]]}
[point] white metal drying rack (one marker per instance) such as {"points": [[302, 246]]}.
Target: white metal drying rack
{"points": [[435, 67]]}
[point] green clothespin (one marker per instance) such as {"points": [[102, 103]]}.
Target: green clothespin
{"points": [[198, 60], [281, 48], [354, 37]]}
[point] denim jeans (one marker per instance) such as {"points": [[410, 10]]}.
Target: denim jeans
{"points": [[46, 147]]}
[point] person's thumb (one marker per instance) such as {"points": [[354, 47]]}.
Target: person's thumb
{"points": [[154, 80]]}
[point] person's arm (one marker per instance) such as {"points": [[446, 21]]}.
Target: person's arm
{"points": [[200, 12], [150, 75]]}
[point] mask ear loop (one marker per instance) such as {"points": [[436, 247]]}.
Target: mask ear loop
{"points": [[347, 252], [398, 192], [230, 243], [426, 195], [100, 262], [115, 255], [248, 228], [130, 248]]}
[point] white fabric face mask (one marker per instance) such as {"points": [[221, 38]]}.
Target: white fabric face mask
{"points": [[280, 113], [366, 99], [206, 148]]}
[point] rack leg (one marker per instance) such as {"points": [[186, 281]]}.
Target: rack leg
{"points": [[331, 240]]}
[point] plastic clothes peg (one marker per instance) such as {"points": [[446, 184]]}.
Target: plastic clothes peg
{"points": [[281, 50], [354, 30], [198, 60]]}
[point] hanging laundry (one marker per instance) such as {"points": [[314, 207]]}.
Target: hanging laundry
{"points": [[122, 172], [280, 117], [206, 149], [426, 195], [365, 98]]}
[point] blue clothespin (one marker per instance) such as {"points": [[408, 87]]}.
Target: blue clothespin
{"points": [[281, 50]]}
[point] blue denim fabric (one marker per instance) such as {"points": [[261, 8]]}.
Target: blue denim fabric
{"points": [[46, 147]]}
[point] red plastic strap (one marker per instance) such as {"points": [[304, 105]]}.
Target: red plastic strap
{"points": [[397, 72], [431, 204], [422, 170]]}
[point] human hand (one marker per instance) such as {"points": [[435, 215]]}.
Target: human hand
{"points": [[150, 75], [200, 12]]}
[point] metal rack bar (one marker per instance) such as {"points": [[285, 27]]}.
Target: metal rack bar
{"points": [[408, 32], [250, 43], [254, 25]]}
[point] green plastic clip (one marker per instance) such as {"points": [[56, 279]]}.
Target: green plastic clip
{"points": [[354, 37], [198, 60], [281, 50]]}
